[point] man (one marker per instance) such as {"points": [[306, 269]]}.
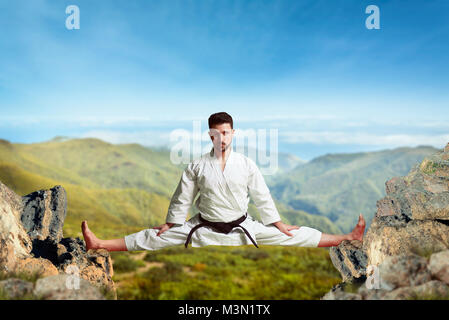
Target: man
{"points": [[224, 179]]}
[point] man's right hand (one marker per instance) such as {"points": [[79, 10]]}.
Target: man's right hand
{"points": [[164, 227]]}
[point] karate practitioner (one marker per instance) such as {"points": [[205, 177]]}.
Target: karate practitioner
{"points": [[224, 180]]}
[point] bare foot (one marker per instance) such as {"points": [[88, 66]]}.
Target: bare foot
{"points": [[92, 242], [357, 233]]}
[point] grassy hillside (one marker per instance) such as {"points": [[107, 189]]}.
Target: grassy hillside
{"points": [[119, 189], [103, 164], [212, 272], [340, 186], [111, 205]]}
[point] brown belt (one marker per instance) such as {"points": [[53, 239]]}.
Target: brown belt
{"points": [[222, 227]]}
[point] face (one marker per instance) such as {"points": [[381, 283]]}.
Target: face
{"points": [[221, 136]]}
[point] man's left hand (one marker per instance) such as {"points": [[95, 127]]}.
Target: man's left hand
{"points": [[285, 228]]}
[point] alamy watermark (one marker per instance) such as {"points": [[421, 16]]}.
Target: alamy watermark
{"points": [[250, 142], [73, 20], [373, 20], [372, 277], [72, 282]]}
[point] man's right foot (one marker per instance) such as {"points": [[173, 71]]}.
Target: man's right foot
{"points": [[92, 242]]}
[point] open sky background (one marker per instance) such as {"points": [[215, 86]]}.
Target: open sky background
{"points": [[136, 70]]}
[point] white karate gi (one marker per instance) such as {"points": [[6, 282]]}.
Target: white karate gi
{"points": [[224, 196]]}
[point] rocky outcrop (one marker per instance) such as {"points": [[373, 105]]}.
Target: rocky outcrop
{"points": [[411, 224], [44, 212], [400, 277], [32, 242], [63, 287], [350, 260]]}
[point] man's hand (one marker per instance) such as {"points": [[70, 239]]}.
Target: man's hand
{"points": [[164, 227], [285, 228]]}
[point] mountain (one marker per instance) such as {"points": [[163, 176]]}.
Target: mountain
{"points": [[119, 188], [340, 186]]}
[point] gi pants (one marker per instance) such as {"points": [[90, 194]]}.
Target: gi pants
{"points": [[264, 235]]}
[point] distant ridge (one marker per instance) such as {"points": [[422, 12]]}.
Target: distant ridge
{"points": [[342, 185]]}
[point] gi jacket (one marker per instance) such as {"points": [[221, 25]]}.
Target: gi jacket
{"points": [[223, 195]]}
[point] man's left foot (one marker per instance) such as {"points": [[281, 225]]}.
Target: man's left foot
{"points": [[357, 233]]}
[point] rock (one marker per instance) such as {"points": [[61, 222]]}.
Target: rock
{"points": [[38, 266], [14, 241], [403, 271], [44, 212], [395, 235], [430, 290], [13, 199], [94, 266], [16, 288], [435, 165], [31, 240], [66, 287], [338, 293], [411, 224], [349, 259], [371, 294], [439, 266], [421, 197]]}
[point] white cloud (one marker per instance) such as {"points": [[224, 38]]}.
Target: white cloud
{"points": [[146, 138], [372, 139]]}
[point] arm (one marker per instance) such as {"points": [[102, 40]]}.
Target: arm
{"points": [[183, 197], [260, 193]]}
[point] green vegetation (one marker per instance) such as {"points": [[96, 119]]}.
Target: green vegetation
{"points": [[341, 186], [124, 263], [242, 272]]}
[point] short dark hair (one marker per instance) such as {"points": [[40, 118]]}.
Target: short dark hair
{"points": [[219, 118]]}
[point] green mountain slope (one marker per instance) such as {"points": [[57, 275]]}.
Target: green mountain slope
{"points": [[340, 186]]}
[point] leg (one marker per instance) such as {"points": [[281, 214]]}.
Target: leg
{"points": [[143, 240], [92, 242], [305, 236], [331, 240], [271, 235]]}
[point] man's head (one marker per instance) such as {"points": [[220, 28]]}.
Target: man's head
{"points": [[221, 130]]}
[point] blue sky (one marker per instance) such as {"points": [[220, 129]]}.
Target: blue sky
{"points": [[136, 70]]}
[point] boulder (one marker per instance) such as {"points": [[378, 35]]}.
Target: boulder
{"points": [[439, 266], [395, 235], [430, 290], [14, 241], [36, 266], [44, 212], [66, 287], [403, 271], [410, 225], [32, 242], [349, 259], [16, 288], [338, 293]]}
